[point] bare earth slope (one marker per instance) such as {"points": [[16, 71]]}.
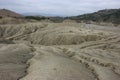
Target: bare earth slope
{"points": [[8, 13], [13, 58], [62, 51]]}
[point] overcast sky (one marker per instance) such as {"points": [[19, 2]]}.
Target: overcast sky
{"points": [[59, 7]]}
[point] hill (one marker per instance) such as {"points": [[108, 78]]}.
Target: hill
{"points": [[106, 15], [9, 13]]}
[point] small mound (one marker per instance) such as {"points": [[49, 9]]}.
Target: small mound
{"points": [[18, 31], [66, 36], [69, 21]]}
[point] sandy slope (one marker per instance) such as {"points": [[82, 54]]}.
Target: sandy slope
{"points": [[13, 58], [67, 51]]}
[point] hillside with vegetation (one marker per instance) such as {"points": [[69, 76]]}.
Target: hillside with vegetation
{"points": [[106, 15]]}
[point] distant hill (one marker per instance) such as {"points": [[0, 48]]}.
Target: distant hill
{"points": [[106, 15], [8, 13], [39, 14]]}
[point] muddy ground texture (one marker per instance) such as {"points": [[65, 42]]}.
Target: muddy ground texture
{"points": [[59, 51]]}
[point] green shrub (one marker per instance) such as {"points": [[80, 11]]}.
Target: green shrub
{"points": [[36, 17]]}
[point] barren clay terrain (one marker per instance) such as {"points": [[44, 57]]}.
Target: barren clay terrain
{"points": [[59, 51]]}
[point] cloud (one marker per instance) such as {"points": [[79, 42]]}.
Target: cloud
{"points": [[60, 7]]}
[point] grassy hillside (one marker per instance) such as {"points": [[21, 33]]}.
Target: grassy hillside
{"points": [[107, 15]]}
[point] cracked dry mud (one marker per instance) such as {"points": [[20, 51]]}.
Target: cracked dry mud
{"points": [[59, 51]]}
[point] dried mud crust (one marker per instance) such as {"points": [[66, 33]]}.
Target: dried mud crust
{"points": [[51, 34], [49, 63], [61, 52], [13, 59], [102, 58]]}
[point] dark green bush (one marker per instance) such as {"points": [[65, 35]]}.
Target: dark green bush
{"points": [[0, 17], [36, 17]]}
